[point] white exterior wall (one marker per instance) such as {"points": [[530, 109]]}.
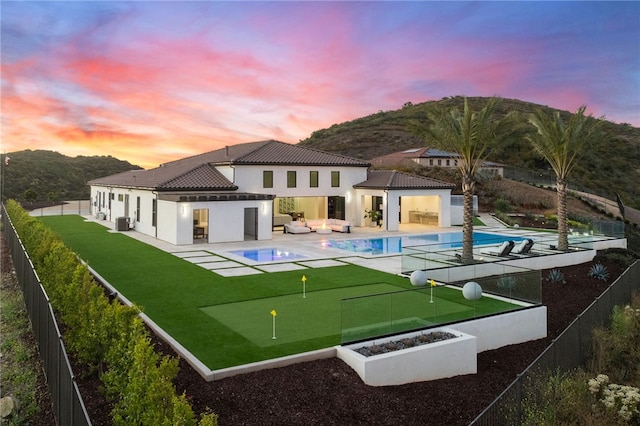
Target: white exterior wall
{"points": [[249, 179], [175, 219], [170, 217], [226, 220], [438, 201], [144, 222]]}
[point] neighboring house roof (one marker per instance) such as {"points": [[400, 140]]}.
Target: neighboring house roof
{"points": [[412, 154], [199, 173], [394, 179]]}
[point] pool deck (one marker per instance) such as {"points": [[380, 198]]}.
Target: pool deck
{"points": [[218, 257]]}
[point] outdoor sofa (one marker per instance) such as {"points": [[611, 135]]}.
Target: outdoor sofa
{"points": [[336, 225], [296, 227]]}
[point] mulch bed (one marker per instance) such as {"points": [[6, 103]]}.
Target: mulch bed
{"points": [[328, 392]]}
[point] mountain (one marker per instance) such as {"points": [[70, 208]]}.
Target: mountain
{"points": [[611, 167], [55, 176]]}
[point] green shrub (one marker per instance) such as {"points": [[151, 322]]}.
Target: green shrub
{"points": [[501, 205], [615, 349], [105, 336], [622, 257]]}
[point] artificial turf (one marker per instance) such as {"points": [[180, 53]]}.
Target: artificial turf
{"points": [[227, 321]]}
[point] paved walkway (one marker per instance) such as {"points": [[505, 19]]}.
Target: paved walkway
{"points": [[490, 221]]}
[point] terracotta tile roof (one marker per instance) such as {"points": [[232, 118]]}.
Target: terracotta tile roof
{"points": [[199, 173], [202, 177], [271, 152], [394, 179]]}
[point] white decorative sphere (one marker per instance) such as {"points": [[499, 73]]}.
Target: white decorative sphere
{"points": [[418, 278], [472, 291]]}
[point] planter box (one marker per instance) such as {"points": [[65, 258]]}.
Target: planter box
{"points": [[438, 360]]}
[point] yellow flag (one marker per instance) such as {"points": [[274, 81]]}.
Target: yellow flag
{"points": [[273, 312], [433, 283]]}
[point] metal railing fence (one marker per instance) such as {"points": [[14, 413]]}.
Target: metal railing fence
{"points": [[68, 406], [569, 350]]}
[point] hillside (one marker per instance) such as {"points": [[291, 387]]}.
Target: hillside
{"points": [[54, 176], [611, 167]]}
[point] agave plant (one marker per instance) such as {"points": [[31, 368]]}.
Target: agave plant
{"points": [[599, 271], [507, 283], [556, 276]]}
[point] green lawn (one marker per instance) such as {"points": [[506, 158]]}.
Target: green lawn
{"points": [[227, 321]]}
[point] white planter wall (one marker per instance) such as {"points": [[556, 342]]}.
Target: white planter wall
{"points": [[439, 360]]}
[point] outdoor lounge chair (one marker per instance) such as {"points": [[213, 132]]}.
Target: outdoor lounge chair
{"points": [[502, 250], [524, 247]]}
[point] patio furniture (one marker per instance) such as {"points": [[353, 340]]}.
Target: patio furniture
{"points": [[296, 227], [502, 250], [524, 247], [336, 225]]}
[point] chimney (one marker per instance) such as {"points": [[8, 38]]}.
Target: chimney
{"points": [[226, 150]]}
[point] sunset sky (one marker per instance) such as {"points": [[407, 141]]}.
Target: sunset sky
{"points": [[151, 82]]}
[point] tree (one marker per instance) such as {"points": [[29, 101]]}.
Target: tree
{"points": [[562, 145], [30, 195], [471, 135]]}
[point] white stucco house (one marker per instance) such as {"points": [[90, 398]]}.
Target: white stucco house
{"points": [[242, 192]]}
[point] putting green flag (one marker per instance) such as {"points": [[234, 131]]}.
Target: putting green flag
{"points": [[304, 278], [273, 312], [433, 283]]}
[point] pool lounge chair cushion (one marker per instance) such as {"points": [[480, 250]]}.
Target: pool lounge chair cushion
{"points": [[296, 227], [502, 250], [524, 247]]}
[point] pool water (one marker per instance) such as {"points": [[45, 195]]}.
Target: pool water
{"points": [[268, 254], [441, 241]]}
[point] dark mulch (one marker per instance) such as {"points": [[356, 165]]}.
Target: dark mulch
{"points": [[328, 392]]}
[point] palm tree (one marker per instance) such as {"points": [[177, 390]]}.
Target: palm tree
{"points": [[471, 135], [562, 145]]}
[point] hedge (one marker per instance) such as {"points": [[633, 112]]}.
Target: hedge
{"points": [[105, 336]]}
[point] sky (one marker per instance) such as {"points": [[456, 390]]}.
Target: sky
{"points": [[154, 81]]}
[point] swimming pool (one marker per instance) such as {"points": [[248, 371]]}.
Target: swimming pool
{"points": [[268, 254], [436, 241]]}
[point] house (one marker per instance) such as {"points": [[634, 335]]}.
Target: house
{"points": [[431, 157], [242, 192]]}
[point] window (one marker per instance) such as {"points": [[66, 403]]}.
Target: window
{"points": [[121, 197], [431, 162], [137, 209], [448, 163], [455, 163], [335, 179], [267, 179], [313, 179], [154, 212], [439, 162], [291, 179]]}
